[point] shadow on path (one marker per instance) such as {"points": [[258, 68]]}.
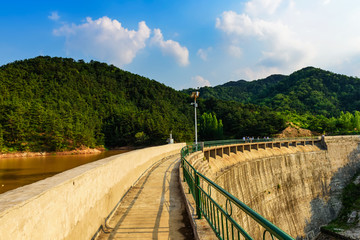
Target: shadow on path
{"points": [[154, 208]]}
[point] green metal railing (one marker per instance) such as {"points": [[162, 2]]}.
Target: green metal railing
{"points": [[296, 139], [239, 141], [222, 220]]}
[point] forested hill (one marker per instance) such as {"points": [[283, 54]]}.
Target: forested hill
{"points": [[307, 90], [55, 104]]}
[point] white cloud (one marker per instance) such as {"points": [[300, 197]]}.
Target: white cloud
{"points": [[172, 48], [203, 53], [279, 45], [235, 51], [242, 24], [105, 39], [262, 7], [199, 81], [286, 35], [54, 16]]}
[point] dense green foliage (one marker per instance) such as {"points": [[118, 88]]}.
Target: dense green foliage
{"points": [[310, 98], [240, 91], [345, 123], [210, 128], [310, 90], [56, 104], [241, 120]]}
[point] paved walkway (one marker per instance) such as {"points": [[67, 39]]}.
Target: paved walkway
{"points": [[154, 208]]}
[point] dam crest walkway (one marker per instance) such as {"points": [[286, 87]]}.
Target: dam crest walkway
{"points": [[154, 208]]}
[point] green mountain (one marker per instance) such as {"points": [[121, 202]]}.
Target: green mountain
{"points": [[308, 90], [56, 104], [241, 91]]}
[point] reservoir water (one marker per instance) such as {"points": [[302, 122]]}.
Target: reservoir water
{"points": [[17, 172]]}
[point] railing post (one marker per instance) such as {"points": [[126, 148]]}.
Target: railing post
{"points": [[183, 168], [197, 195]]}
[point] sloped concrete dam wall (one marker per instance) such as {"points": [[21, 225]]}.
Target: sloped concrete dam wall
{"points": [[73, 204], [296, 188]]}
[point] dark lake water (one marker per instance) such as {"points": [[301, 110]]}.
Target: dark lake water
{"points": [[17, 172]]}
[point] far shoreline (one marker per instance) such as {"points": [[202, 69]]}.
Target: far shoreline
{"points": [[79, 151], [38, 154]]}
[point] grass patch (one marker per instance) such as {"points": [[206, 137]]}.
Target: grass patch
{"points": [[350, 198]]}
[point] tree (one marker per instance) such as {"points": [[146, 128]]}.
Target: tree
{"points": [[209, 127], [356, 120], [345, 121]]}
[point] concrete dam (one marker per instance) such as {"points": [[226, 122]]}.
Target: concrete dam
{"points": [[294, 184], [295, 187]]}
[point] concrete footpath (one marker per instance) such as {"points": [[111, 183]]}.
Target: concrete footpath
{"points": [[153, 209]]}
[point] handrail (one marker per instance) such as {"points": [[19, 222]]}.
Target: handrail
{"points": [[221, 220], [239, 141]]}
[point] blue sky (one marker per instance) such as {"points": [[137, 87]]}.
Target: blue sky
{"points": [[187, 43]]}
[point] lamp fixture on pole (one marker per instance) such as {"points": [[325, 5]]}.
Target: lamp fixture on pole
{"points": [[195, 95]]}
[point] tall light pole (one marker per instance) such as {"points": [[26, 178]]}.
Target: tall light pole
{"points": [[195, 95]]}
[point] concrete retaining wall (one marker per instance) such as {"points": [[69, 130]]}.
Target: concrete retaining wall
{"points": [[297, 188], [73, 204]]}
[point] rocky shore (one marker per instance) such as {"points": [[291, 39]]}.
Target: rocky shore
{"points": [[34, 154]]}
